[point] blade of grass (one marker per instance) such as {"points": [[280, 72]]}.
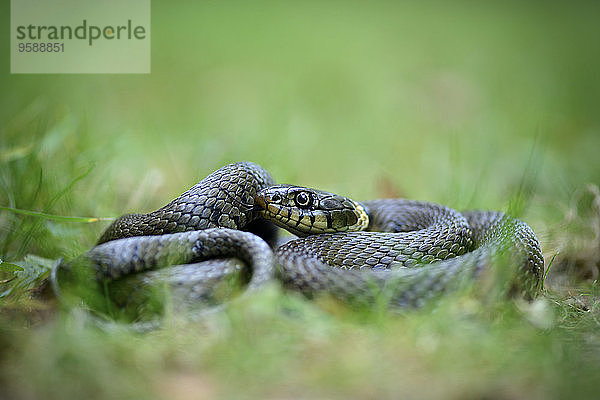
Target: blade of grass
{"points": [[29, 234], [527, 185], [548, 270], [54, 217], [11, 237]]}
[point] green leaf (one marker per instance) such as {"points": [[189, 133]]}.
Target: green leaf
{"points": [[8, 267]]}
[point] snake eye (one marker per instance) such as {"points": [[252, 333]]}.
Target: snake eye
{"points": [[303, 199], [276, 198]]}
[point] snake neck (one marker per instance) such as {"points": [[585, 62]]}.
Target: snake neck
{"points": [[224, 199]]}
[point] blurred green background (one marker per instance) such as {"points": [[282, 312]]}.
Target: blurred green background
{"points": [[471, 104]]}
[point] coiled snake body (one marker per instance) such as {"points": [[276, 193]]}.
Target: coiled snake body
{"points": [[406, 251]]}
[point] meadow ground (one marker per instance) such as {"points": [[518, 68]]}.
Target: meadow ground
{"points": [[468, 104]]}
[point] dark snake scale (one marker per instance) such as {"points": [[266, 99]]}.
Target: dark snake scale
{"points": [[404, 252]]}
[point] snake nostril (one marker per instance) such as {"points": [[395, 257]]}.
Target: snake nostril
{"points": [[331, 204]]}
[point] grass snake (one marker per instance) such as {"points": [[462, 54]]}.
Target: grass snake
{"points": [[402, 251]]}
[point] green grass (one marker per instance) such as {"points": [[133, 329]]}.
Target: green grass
{"points": [[473, 105]]}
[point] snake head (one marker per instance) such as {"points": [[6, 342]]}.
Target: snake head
{"points": [[305, 211]]}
